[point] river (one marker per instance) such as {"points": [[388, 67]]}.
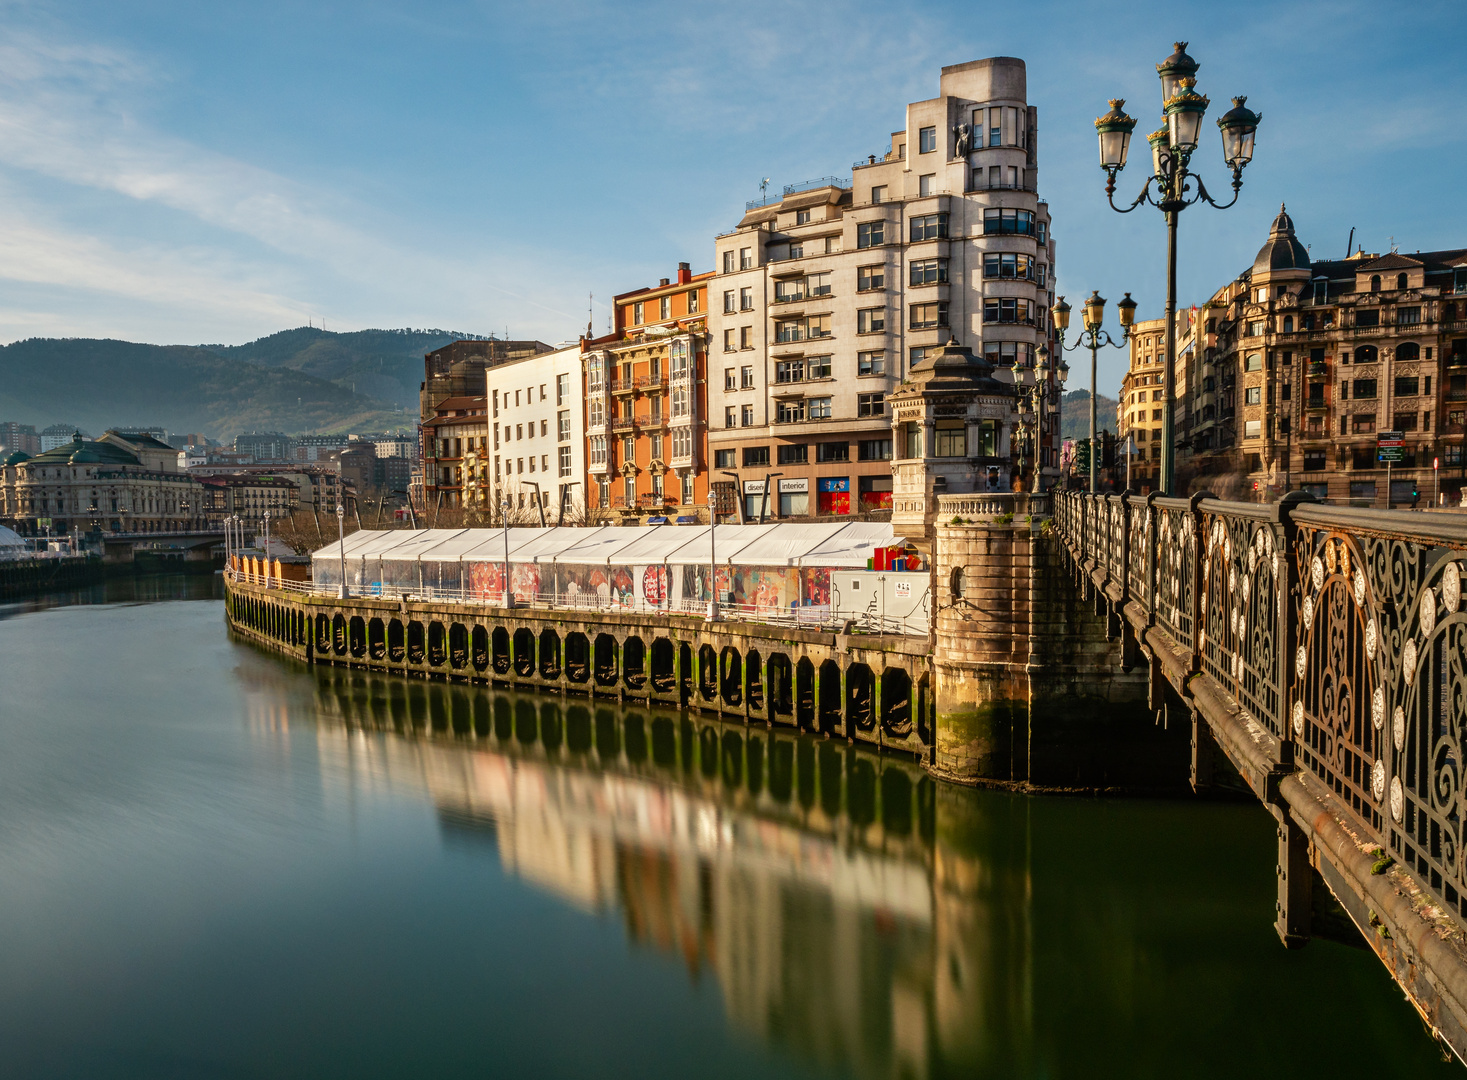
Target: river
{"points": [[216, 863]]}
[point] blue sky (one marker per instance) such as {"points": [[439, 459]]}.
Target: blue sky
{"points": [[210, 172]]}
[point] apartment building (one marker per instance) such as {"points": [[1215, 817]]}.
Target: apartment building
{"points": [[456, 455], [1143, 397], [537, 428], [825, 298], [646, 386], [1315, 360]]}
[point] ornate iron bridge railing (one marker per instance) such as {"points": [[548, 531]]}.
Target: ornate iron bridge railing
{"points": [[1342, 632]]}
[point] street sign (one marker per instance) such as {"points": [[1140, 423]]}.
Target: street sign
{"points": [[1390, 446]]}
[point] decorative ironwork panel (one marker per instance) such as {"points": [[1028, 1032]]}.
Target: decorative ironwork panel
{"points": [[1138, 522], [1116, 540], [1240, 613], [1175, 554], [1339, 694]]}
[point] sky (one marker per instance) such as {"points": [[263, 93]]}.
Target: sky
{"points": [[185, 172]]}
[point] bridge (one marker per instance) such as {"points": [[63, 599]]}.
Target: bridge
{"points": [[1323, 651], [195, 545]]}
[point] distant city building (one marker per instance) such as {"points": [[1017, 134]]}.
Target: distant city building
{"points": [[249, 497], [59, 435], [1142, 397], [265, 446], [537, 430], [828, 297], [119, 483], [455, 455], [22, 437], [319, 486], [647, 403], [309, 448]]}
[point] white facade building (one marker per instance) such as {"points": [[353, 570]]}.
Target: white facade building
{"points": [[537, 430]]}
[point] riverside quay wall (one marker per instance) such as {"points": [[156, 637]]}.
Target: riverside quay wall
{"points": [[1015, 683]]}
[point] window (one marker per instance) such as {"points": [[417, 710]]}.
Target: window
{"points": [[929, 316], [870, 277], [1370, 317], [950, 439], [746, 258], [802, 217], [870, 234], [870, 404], [564, 460], [562, 389], [1039, 274], [728, 416], [929, 227], [911, 435], [926, 183], [1253, 362], [746, 337], [1409, 350], [1002, 265], [664, 308], [693, 302], [636, 318], [728, 262], [817, 367], [871, 320], [723, 459], [728, 341], [562, 426], [789, 411], [819, 408], [928, 271], [917, 355], [1252, 429], [1253, 395], [597, 417], [1004, 354], [679, 400], [926, 140], [878, 194], [818, 284], [1365, 388], [746, 299], [730, 379], [1362, 423], [687, 489], [874, 450], [1007, 309], [1000, 221], [833, 451], [746, 377], [789, 371], [598, 450], [1404, 421], [755, 456], [728, 299], [871, 363], [793, 455], [746, 416], [1407, 386], [682, 442]]}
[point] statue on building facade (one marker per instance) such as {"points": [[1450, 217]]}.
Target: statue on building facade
{"points": [[965, 140]]}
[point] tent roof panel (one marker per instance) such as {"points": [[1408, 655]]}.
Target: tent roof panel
{"points": [[785, 545], [728, 541], [551, 542], [604, 546]]}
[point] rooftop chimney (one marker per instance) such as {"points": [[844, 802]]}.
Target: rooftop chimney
{"points": [[665, 281], [684, 273]]}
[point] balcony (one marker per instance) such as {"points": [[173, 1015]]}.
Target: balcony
{"points": [[622, 386], [623, 423], [651, 382], [1316, 405], [1318, 367]]}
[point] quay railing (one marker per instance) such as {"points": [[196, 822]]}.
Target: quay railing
{"points": [[1342, 632], [819, 617]]}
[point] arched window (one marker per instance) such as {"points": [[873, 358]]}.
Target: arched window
{"points": [[1288, 324], [1366, 354], [1408, 350], [1400, 281], [1375, 283], [956, 583]]}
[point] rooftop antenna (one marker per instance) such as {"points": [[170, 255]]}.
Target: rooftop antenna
{"points": [[1392, 241], [764, 190], [1350, 243]]}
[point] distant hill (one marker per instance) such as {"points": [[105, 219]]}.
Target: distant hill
{"points": [[1075, 414], [384, 364], [219, 391]]}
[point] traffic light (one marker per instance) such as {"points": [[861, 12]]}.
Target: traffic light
{"points": [[1107, 450]]}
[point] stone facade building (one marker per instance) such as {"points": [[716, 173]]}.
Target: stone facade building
{"points": [[825, 300], [646, 386], [456, 455], [1314, 359]]}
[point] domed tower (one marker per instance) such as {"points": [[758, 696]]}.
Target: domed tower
{"points": [[1282, 258]]}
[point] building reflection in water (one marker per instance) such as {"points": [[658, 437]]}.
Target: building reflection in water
{"points": [[853, 912]]}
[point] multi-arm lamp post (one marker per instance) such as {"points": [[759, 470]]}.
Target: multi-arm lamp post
{"points": [[1034, 398], [1093, 338], [341, 539], [1171, 152]]}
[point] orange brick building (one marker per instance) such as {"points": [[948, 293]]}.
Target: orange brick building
{"points": [[646, 387]]}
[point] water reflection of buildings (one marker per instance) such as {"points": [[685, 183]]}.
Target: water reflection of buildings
{"points": [[839, 924]]}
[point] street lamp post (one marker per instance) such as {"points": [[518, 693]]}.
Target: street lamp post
{"points": [[507, 592], [1032, 399], [267, 550], [1094, 338], [341, 593], [1172, 147]]}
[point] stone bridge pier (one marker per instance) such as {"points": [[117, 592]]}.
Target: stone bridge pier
{"points": [[1035, 684]]}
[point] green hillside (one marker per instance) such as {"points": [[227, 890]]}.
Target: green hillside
{"points": [[1075, 414], [383, 364], [98, 384]]}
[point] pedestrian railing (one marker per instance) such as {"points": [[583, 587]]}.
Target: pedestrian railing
{"points": [[1342, 632]]}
